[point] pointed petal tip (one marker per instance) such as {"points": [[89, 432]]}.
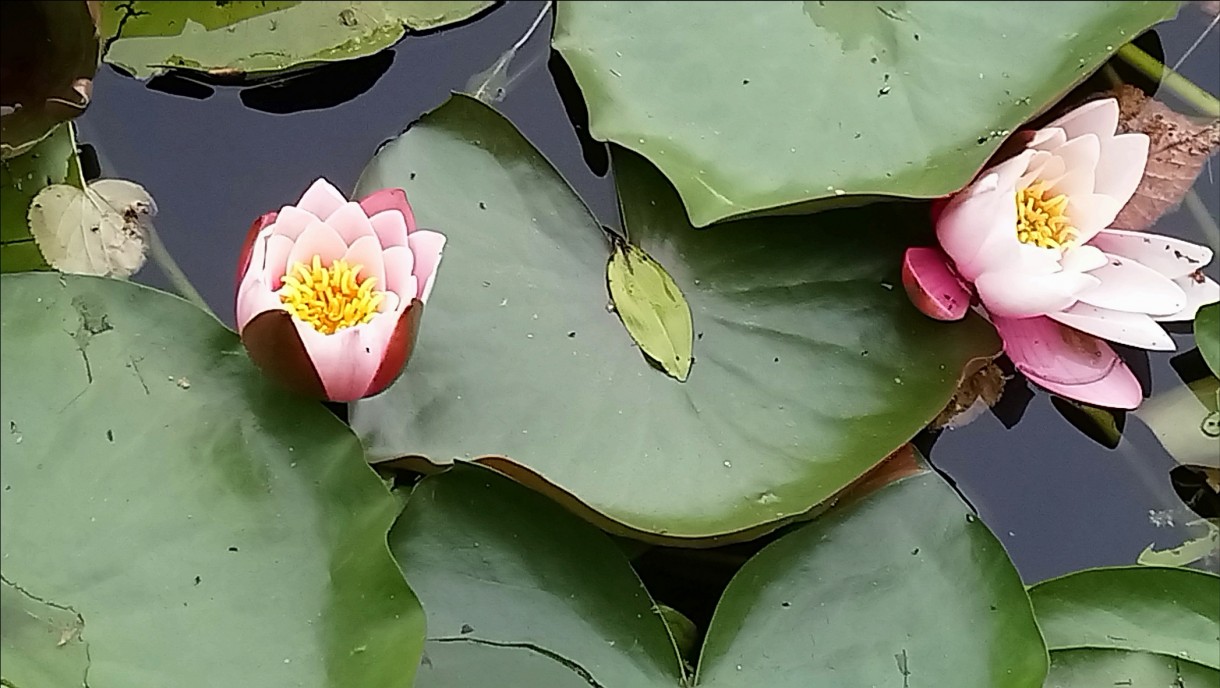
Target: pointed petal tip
{"points": [[247, 246]]}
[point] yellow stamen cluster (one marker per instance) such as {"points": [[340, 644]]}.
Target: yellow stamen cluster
{"points": [[330, 298], [1040, 220]]}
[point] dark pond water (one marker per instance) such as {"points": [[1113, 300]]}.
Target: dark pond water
{"points": [[1058, 500]]}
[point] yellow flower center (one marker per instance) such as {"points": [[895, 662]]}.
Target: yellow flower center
{"points": [[1040, 220], [330, 298]]}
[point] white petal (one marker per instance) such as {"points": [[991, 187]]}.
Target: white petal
{"points": [[321, 199], [253, 298], [1121, 166], [1042, 165], [1132, 329], [391, 228], [1079, 155], [1200, 291], [1098, 117], [346, 361], [276, 265], [1126, 285], [1083, 258], [1047, 138], [1017, 294], [978, 226], [1091, 213], [1171, 257], [399, 271]]}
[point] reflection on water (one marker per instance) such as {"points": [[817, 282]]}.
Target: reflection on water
{"points": [[1059, 500]]}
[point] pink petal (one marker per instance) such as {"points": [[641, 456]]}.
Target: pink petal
{"points": [[346, 360], [247, 248], [1091, 213], [1171, 257], [1125, 285], [292, 221], [1069, 363], [390, 228], [389, 199], [1200, 291], [318, 239], [276, 264], [1121, 166], [351, 223], [932, 285], [1120, 327], [1098, 117], [427, 246], [399, 272], [366, 252], [254, 298], [1019, 294], [321, 199], [978, 227], [1083, 259]]}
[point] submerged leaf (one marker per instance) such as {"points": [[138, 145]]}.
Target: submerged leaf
{"points": [[1177, 149], [1207, 336], [102, 230], [1188, 552], [652, 308]]}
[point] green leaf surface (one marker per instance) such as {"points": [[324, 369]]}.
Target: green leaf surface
{"points": [[906, 586], [1167, 611], [1207, 336], [810, 366], [21, 178], [1107, 668], [651, 307], [41, 642], [520, 593], [259, 38], [755, 106], [208, 528]]}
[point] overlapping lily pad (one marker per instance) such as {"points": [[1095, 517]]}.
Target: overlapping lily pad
{"points": [[52, 161], [198, 526], [904, 582], [1207, 336], [810, 365], [755, 106], [250, 39]]}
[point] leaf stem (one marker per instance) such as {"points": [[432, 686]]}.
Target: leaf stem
{"points": [[1182, 87], [1204, 219], [76, 175], [182, 284]]}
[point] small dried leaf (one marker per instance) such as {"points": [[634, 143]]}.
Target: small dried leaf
{"points": [[974, 395], [102, 230], [1178, 148]]}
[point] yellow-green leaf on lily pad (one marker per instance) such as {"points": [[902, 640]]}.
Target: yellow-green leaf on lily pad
{"points": [[651, 307]]}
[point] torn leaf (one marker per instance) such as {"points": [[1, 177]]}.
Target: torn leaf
{"points": [[1194, 549], [1178, 148], [102, 230], [41, 642], [652, 308]]}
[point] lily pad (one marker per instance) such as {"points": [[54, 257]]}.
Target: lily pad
{"points": [[754, 107], [40, 641], [248, 39], [52, 161], [1207, 336], [518, 589], [48, 56], [809, 365], [1080, 668], [208, 528], [1165, 611]]}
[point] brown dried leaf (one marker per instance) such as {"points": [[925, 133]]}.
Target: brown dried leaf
{"points": [[974, 395], [1179, 147]]}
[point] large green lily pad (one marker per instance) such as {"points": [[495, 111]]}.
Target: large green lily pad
{"points": [[253, 39], [810, 364], [1159, 610], [518, 589], [1207, 336], [207, 528], [1105, 668], [751, 107]]}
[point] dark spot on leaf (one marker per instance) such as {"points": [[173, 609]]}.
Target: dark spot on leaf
{"points": [[482, 205], [785, 604], [572, 334], [777, 359], [915, 551], [198, 580], [916, 36], [412, 176], [699, 336], [745, 82], [232, 549], [982, 140], [467, 628], [110, 435]]}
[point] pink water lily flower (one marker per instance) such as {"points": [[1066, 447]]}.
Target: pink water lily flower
{"points": [[1028, 243], [330, 292]]}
